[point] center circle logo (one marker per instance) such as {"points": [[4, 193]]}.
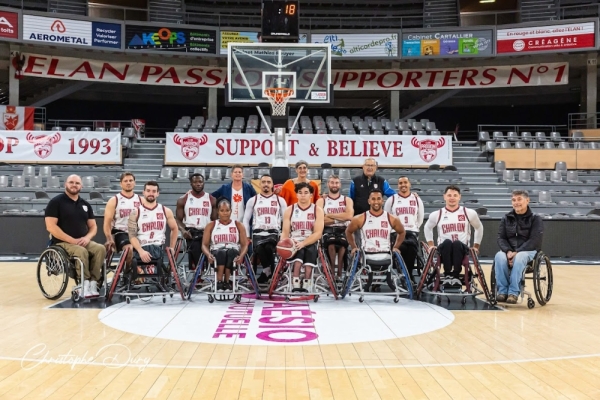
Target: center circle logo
{"points": [[276, 322], [518, 45]]}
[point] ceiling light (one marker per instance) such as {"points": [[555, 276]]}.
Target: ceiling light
{"points": [[487, 1]]}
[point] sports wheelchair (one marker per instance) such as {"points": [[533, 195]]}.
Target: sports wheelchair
{"points": [[54, 269], [539, 270], [336, 236], [128, 283], [431, 282], [322, 280], [204, 281], [367, 275]]}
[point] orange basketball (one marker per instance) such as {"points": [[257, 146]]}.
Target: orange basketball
{"points": [[286, 248]]}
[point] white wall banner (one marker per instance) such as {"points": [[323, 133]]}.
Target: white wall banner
{"points": [[544, 74], [380, 45], [60, 147], [252, 149]]}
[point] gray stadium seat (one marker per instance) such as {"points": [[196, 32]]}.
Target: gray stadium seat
{"points": [[577, 136], [104, 182], [115, 129], [215, 175], [53, 182], [166, 173], [263, 171], [544, 197], [539, 176], [526, 136], [549, 145], [45, 171], [512, 136], [71, 129], [313, 174], [377, 132], [595, 145], [321, 131], [484, 136], [41, 195], [508, 175], [87, 182], [392, 132], [540, 136], [555, 176], [3, 181], [535, 145], [57, 128], [435, 133], [345, 174], [183, 174], [505, 144], [179, 130], [18, 181], [560, 166], [497, 136], [555, 136], [572, 177], [524, 175], [199, 171], [248, 173], [326, 173], [129, 132], [407, 133], [100, 129], [35, 182], [363, 132], [96, 196], [499, 166], [564, 146], [28, 170], [520, 145]]}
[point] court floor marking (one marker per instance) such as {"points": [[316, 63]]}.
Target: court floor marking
{"points": [[219, 367]]}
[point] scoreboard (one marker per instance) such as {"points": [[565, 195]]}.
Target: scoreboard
{"points": [[280, 21]]}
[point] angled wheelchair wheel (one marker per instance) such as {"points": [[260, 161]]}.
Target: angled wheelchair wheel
{"points": [[481, 277], [542, 278], [52, 272], [407, 278], [277, 274], [328, 274], [350, 277], [117, 276], [197, 274], [251, 276], [493, 287], [429, 271], [174, 273]]}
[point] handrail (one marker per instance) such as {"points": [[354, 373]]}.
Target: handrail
{"points": [[519, 128]]}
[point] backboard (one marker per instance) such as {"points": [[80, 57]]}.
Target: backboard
{"points": [[254, 68]]}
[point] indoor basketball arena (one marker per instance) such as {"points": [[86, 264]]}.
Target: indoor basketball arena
{"points": [[284, 199]]}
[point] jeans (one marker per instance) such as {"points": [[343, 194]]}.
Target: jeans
{"points": [[508, 280]]}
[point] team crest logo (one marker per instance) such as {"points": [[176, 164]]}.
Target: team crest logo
{"points": [[160, 216], [190, 146], [11, 118], [461, 217], [341, 203], [273, 203], [384, 224], [206, 204], [413, 203], [375, 186], [428, 148], [42, 144], [136, 204], [84, 208], [310, 217], [232, 229]]}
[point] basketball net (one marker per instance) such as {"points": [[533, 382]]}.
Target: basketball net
{"points": [[278, 97]]}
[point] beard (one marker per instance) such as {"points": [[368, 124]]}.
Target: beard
{"points": [[74, 191], [150, 199], [334, 190]]}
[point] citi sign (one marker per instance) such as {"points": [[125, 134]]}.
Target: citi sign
{"points": [[162, 37]]}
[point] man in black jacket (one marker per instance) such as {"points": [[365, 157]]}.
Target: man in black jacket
{"points": [[362, 185], [519, 237]]}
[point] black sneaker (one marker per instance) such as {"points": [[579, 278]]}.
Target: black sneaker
{"points": [[228, 286], [220, 287], [263, 278]]}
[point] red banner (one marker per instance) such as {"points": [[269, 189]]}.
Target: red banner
{"points": [[546, 74], [9, 25], [581, 35], [16, 118]]}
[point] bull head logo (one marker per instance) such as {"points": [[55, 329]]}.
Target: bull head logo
{"points": [[11, 118], [190, 146], [42, 144], [428, 147]]}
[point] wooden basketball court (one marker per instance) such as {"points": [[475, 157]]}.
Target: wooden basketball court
{"points": [[550, 352]]}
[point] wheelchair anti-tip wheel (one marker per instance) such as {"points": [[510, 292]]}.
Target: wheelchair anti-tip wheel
{"points": [[52, 272]]}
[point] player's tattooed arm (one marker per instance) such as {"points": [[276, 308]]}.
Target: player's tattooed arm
{"points": [[132, 227]]}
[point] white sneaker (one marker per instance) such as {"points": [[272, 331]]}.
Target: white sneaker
{"points": [[307, 285], [86, 289], [296, 284], [94, 288]]}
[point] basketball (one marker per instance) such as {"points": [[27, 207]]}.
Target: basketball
{"points": [[286, 248]]}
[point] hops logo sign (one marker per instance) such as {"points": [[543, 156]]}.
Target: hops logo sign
{"points": [[428, 148], [190, 146], [42, 144]]}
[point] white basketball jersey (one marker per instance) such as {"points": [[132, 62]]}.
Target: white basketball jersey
{"points": [[335, 206], [406, 209], [302, 222], [197, 210], [152, 224], [267, 213], [124, 207], [376, 233], [454, 225], [225, 236]]}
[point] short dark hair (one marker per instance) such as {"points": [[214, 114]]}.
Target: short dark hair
{"points": [[376, 190], [223, 201], [302, 185], [125, 174], [403, 176], [152, 183], [266, 176], [196, 175], [452, 187], [520, 192], [233, 168]]}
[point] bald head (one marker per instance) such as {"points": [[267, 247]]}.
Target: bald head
{"points": [[73, 185]]}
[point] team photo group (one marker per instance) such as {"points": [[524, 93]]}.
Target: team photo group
{"points": [[283, 238]]}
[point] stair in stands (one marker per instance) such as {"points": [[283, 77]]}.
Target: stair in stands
{"points": [[539, 10], [440, 13]]}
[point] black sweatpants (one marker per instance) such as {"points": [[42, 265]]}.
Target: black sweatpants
{"points": [[265, 250], [409, 249], [452, 254]]}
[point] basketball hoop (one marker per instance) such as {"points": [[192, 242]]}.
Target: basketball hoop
{"points": [[278, 97]]}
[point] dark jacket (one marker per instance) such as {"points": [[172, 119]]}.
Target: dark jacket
{"points": [[226, 191], [361, 186], [527, 235]]}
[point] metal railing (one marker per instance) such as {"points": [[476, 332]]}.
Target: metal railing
{"points": [[583, 121]]}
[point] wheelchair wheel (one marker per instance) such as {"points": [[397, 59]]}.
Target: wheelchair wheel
{"points": [[493, 288], [429, 272], [481, 277], [328, 274], [277, 275], [52, 272], [402, 268], [350, 276], [542, 278]]}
